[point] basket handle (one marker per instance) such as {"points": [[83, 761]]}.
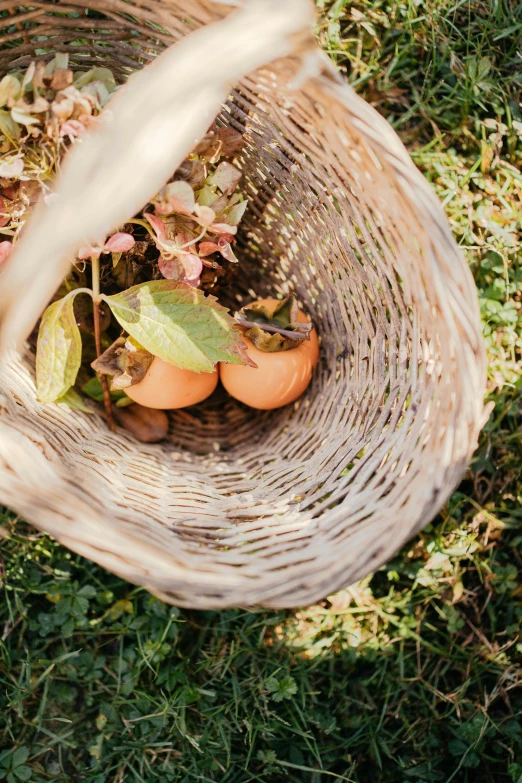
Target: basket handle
{"points": [[150, 125]]}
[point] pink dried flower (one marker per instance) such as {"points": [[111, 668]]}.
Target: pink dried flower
{"points": [[117, 243], [72, 129], [178, 258], [222, 228]]}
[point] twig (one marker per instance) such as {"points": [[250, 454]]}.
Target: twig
{"points": [[95, 260], [277, 330]]}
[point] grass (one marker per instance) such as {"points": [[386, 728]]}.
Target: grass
{"points": [[412, 675]]}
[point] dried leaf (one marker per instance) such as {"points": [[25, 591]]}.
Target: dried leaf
{"points": [[271, 343], [286, 312], [231, 142], [198, 174], [207, 248], [58, 352], [268, 343], [179, 324], [257, 313], [278, 330], [226, 177], [126, 360]]}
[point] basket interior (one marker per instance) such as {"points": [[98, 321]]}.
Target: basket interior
{"points": [[276, 507]]}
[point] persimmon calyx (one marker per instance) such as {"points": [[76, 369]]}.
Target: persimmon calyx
{"points": [[126, 361], [276, 331]]}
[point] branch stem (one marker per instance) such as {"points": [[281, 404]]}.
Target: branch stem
{"points": [[96, 298], [276, 329]]}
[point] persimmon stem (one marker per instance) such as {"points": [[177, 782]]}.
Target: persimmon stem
{"points": [[96, 299]]}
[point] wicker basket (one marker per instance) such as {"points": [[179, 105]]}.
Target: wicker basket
{"points": [[280, 508]]}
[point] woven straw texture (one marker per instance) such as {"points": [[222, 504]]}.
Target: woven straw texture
{"points": [[281, 508]]}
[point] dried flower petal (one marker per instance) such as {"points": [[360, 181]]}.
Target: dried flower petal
{"points": [[205, 215], [119, 243], [89, 251], [61, 79], [180, 196], [207, 248], [193, 267], [11, 169], [98, 92], [158, 225], [171, 268], [222, 228], [10, 89], [226, 177], [62, 108], [22, 117], [72, 128], [225, 248], [235, 213]]}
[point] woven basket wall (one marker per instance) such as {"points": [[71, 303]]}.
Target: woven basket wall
{"points": [[281, 508]]}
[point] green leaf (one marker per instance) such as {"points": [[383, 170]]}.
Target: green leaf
{"points": [[124, 402], [281, 689], [20, 756], [179, 324], [93, 389], [73, 400], [23, 772], [59, 350]]}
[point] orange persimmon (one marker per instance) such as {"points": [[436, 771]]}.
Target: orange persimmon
{"points": [[166, 386], [280, 377]]}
